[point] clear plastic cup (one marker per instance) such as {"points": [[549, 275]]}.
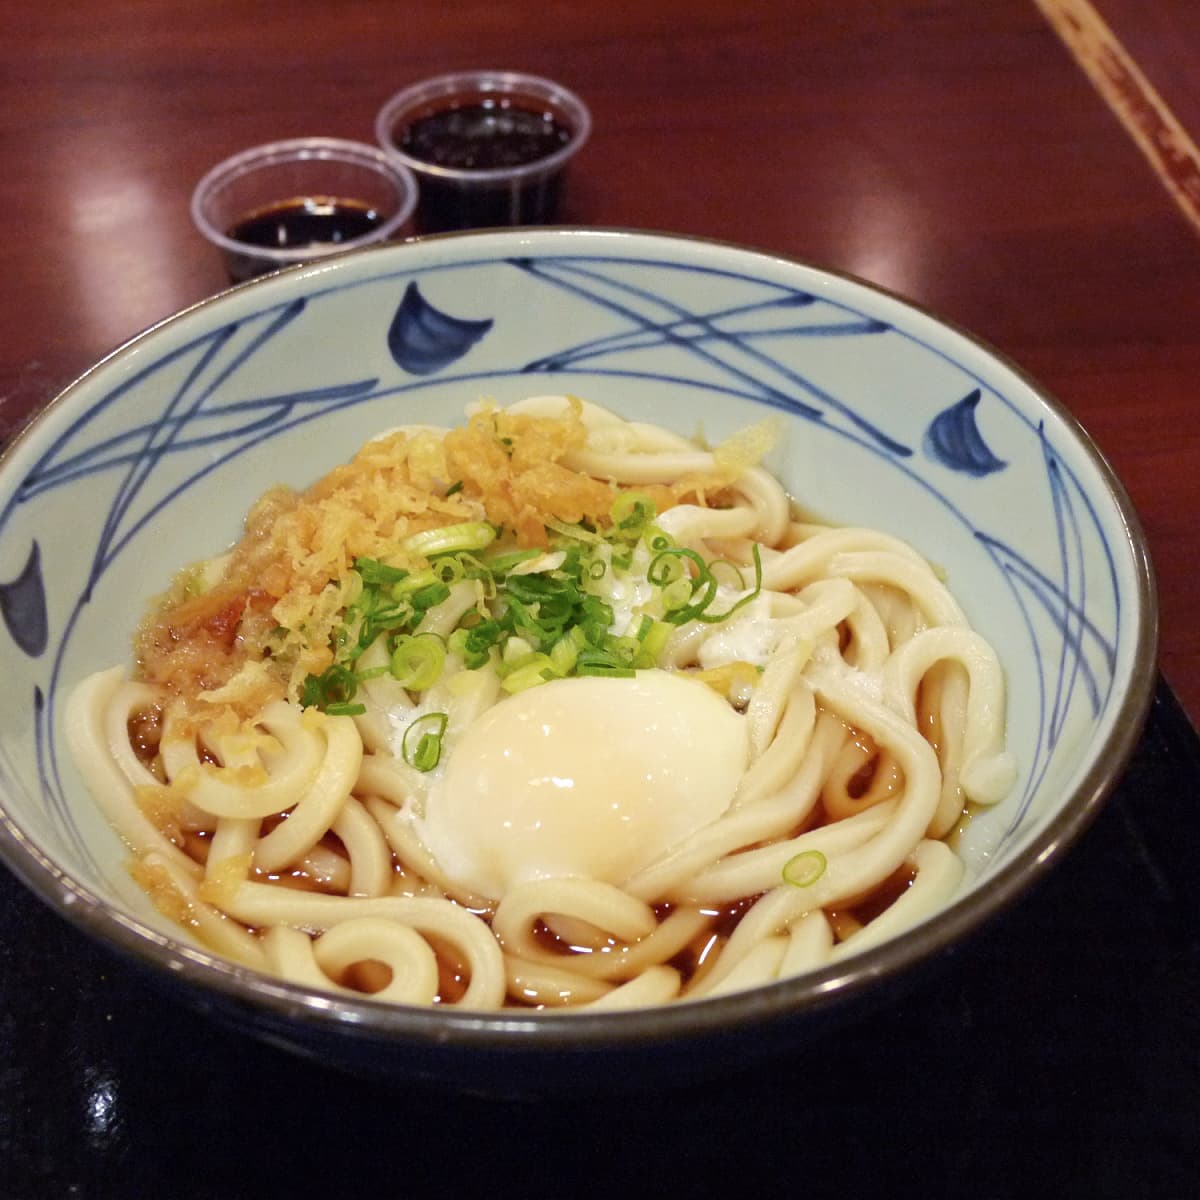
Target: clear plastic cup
{"points": [[489, 148], [298, 200]]}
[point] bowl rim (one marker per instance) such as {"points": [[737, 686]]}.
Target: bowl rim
{"points": [[508, 1030]]}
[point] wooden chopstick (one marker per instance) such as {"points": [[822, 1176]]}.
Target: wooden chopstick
{"points": [[1147, 118]]}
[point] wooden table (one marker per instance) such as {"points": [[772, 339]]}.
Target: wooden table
{"points": [[952, 150]]}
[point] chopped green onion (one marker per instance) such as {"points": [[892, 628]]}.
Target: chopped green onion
{"points": [[667, 566], [417, 660], [577, 533], [805, 868], [677, 594], [450, 539], [345, 710], [713, 618], [608, 662], [739, 579], [372, 673], [537, 614], [335, 685], [564, 655], [604, 670], [529, 672], [428, 596], [413, 581], [473, 644], [449, 569], [378, 574], [515, 651], [424, 753], [501, 564], [631, 512], [622, 557]]}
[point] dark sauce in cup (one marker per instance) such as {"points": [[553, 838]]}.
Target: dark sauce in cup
{"points": [[483, 136], [491, 134], [297, 224], [306, 221]]}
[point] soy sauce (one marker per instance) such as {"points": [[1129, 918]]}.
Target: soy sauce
{"points": [[306, 221], [483, 136], [299, 223], [494, 134]]}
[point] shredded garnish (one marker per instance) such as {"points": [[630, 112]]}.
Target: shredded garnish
{"points": [[517, 562]]}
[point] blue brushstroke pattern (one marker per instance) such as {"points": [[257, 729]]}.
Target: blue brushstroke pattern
{"points": [[258, 416], [1075, 653], [424, 340], [954, 440], [705, 336], [23, 606], [1060, 602]]}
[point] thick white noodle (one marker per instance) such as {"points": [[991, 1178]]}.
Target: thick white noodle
{"points": [[987, 770], [370, 854], [656, 985], [409, 957], [246, 787], [864, 658], [95, 724], [939, 871], [319, 803], [173, 886], [551, 985], [261, 905], [600, 905]]}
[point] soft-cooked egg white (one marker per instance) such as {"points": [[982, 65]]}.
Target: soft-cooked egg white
{"points": [[749, 637], [585, 777]]}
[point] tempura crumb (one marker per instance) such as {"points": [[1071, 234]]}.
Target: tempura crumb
{"points": [[270, 620]]}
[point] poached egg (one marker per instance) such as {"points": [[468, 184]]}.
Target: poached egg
{"points": [[583, 777]]}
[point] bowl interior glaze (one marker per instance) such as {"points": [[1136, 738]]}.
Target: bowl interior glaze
{"points": [[892, 419]]}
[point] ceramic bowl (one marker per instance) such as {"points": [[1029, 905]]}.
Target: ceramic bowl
{"points": [[893, 419]]}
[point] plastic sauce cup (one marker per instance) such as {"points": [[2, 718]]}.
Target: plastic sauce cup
{"points": [[488, 147], [295, 201]]}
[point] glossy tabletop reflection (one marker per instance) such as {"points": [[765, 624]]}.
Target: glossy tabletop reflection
{"points": [[1024, 168]]}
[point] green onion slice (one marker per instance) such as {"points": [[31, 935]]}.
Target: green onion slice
{"points": [[335, 685], [417, 660], [421, 746], [631, 513], [450, 539], [805, 868], [714, 618], [377, 574], [577, 533]]}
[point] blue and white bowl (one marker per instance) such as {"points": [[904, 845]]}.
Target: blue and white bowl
{"points": [[894, 420]]}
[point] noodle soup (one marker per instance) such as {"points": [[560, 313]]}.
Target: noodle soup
{"points": [[550, 710]]}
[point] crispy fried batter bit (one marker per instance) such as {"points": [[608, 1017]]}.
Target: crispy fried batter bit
{"points": [[266, 622]]}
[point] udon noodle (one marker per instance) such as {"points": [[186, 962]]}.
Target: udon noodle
{"points": [[550, 710]]}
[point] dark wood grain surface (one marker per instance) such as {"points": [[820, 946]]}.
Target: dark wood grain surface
{"points": [[952, 152]]}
